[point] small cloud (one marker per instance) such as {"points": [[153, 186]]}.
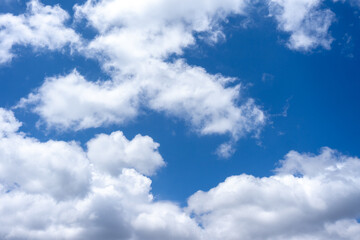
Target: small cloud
{"points": [[307, 24], [247, 23], [225, 150], [285, 110], [280, 133], [347, 46], [267, 77]]}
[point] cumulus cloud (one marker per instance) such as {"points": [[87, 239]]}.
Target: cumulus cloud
{"points": [[72, 102], [39, 167], [201, 16], [140, 153], [305, 21], [40, 27], [131, 33], [175, 89], [8, 123], [58, 190], [309, 196]]}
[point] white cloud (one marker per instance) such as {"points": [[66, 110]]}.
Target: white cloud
{"points": [[202, 99], [50, 190], [44, 167], [40, 27], [132, 33], [140, 153], [38, 167], [306, 22], [72, 102], [200, 15], [8, 123], [314, 203], [115, 208], [176, 89], [225, 150]]}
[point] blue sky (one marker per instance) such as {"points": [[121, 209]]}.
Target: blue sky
{"points": [[247, 112]]}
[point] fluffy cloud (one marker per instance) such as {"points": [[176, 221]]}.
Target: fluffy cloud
{"points": [[202, 99], [8, 123], [306, 22], [40, 27], [201, 16], [39, 167], [309, 196], [141, 30], [57, 190], [43, 167], [175, 89], [72, 102], [139, 153]]}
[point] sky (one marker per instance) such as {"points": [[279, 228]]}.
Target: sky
{"points": [[184, 120]]}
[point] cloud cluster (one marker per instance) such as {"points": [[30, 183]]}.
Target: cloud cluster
{"points": [[133, 45], [41, 27], [58, 190], [139, 45], [153, 29]]}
